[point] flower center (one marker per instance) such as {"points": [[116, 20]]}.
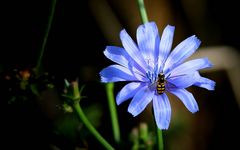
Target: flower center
{"points": [[151, 76]]}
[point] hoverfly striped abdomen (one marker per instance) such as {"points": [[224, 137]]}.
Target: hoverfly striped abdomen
{"points": [[161, 83]]}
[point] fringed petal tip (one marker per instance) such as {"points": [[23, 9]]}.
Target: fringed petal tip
{"points": [[206, 83], [195, 41], [123, 33], [212, 85], [163, 127], [104, 80], [210, 64], [195, 110], [132, 113], [170, 28]]}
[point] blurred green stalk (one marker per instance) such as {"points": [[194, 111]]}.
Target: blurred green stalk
{"points": [[159, 139], [142, 11], [76, 105], [113, 111], [90, 127], [39, 62]]}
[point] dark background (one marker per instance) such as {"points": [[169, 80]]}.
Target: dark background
{"points": [[74, 50], [76, 36]]}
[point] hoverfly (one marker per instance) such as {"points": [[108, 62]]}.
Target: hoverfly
{"points": [[161, 83]]}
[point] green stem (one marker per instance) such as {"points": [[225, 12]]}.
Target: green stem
{"points": [[90, 127], [159, 139], [46, 35], [113, 111], [142, 11]]}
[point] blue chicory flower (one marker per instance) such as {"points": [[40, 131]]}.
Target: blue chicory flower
{"points": [[153, 71]]}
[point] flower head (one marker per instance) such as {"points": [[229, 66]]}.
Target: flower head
{"points": [[154, 71]]}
